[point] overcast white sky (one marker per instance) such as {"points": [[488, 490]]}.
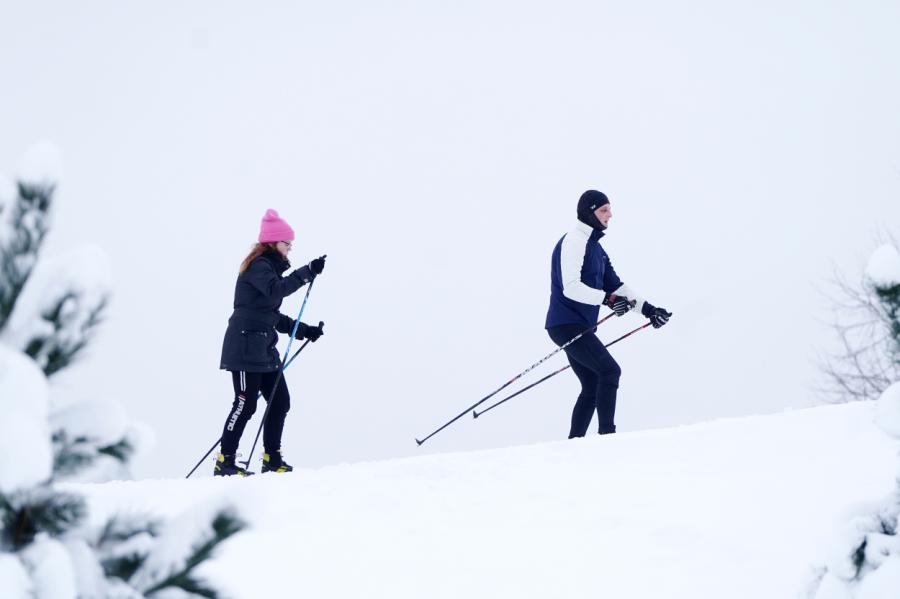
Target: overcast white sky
{"points": [[435, 152]]}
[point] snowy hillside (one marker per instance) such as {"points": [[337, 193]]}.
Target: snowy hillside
{"points": [[738, 508]]}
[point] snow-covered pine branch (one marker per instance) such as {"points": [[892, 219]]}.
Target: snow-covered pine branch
{"points": [[25, 452], [93, 441], [24, 222], [48, 310], [184, 544], [45, 549], [26, 514], [8, 193], [139, 556], [129, 556], [60, 307]]}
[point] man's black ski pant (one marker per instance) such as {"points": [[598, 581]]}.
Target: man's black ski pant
{"points": [[599, 375]]}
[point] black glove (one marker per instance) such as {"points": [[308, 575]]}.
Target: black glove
{"points": [[305, 331], [658, 316], [619, 303], [317, 265]]}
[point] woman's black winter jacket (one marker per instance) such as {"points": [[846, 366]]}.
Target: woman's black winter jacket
{"points": [[250, 338]]}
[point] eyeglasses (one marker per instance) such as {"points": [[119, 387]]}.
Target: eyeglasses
{"points": [[288, 243]]}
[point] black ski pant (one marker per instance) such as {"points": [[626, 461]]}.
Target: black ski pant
{"points": [[599, 375], [247, 386]]}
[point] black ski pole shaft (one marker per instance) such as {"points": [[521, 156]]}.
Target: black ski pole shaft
{"points": [[294, 356], [517, 377], [214, 445], [219, 440], [268, 405], [476, 414], [628, 334]]}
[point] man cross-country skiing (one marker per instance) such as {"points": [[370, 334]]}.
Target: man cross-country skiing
{"points": [[583, 279]]}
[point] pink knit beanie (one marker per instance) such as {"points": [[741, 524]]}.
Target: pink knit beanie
{"points": [[273, 228]]}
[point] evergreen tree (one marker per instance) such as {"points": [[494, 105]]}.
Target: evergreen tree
{"points": [[50, 308], [48, 311]]}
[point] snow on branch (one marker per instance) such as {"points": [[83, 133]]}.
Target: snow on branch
{"points": [[883, 270], [25, 454], [94, 441], [41, 166], [147, 557], [25, 220], [7, 194], [60, 307], [26, 513], [48, 312], [183, 544]]}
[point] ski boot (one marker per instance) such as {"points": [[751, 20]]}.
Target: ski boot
{"points": [[273, 462], [225, 466]]}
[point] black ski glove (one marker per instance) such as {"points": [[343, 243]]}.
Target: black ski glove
{"points": [[306, 331], [317, 265], [619, 303], [658, 316]]}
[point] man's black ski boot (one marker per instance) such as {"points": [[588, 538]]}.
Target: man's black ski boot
{"points": [[225, 466], [273, 462]]}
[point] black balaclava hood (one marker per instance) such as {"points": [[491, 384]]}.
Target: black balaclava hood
{"points": [[587, 203]]}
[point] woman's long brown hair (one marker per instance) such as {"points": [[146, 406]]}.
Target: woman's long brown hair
{"points": [[255, 252]]}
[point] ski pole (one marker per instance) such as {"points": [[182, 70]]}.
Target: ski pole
{"points": [[476, 414], [214, 445], [517, 377], [280, 372], [258, 395]]}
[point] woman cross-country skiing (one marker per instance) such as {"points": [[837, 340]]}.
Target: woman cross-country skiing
{"points": [[583, 279], [248, 350]]}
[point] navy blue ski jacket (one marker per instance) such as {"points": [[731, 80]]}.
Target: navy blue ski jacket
{"points": [[581, 275], [250, 338]]}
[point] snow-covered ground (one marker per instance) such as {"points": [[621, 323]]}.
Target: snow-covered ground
{"points": [[739, 508]]}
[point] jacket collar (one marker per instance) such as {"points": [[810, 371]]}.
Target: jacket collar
{"points": [[591, 232], [278, 263]]}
